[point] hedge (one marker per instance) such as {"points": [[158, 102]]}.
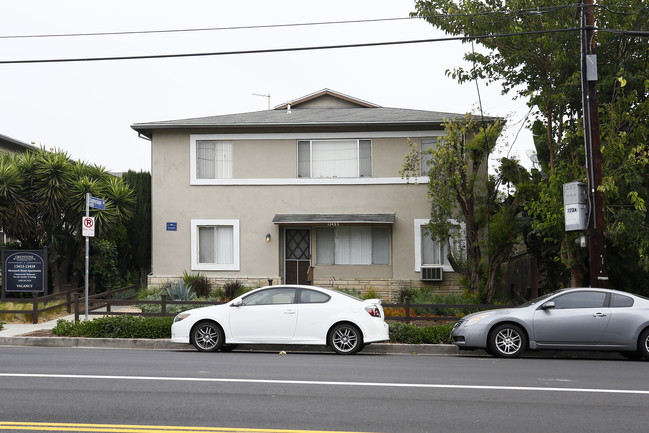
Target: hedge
{"points": [[160, 327], [411, 334], [117, 327]]}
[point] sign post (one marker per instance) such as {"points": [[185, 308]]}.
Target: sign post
{"points": [[88, 230]]}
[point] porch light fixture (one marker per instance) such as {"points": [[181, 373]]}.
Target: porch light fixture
{"points": [[268, 237]]}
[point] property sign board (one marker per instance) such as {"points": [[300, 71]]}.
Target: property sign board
{"points": [[24, 270]]}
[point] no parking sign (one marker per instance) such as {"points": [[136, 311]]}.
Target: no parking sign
{"points": [[88, 226]]}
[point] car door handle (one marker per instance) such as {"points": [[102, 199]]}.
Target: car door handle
{"points": [[289, 312], [599, 315]]}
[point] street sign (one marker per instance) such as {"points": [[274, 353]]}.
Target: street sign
{"points": [[88, 226], [97, 203]]}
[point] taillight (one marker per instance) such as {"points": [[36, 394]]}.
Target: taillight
{"points": [[373, 310]]}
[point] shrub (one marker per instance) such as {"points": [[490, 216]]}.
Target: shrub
{"points": [[232, 289], [200, 284], [117, 327], [371, 293], [406, 293], [411, 334]]}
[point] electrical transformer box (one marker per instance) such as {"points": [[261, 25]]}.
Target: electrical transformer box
{"points": [[575, 204]]}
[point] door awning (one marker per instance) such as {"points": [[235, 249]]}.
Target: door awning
{"points": [[374, 218]]}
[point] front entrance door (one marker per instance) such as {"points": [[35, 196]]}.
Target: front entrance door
{"points": [[297, 256]]}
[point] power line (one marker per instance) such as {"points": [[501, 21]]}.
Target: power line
{"points": [[205, 29], [504, 14], [280, 50]]}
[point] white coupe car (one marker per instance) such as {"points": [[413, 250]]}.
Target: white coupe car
{"points": [[288, 314]]}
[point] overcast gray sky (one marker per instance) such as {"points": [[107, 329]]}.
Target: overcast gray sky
{"points": [[86, 108]]}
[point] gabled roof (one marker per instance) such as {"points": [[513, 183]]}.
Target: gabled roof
{"points": [[325, 110], [326, 92], [13, 145]]}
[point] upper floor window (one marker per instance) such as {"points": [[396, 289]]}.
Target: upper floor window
{"points": [[213, 159], [334, 158], [427, 144]]}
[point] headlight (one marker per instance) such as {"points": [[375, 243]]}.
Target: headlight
{"points": [[180, 317], [476, 319]]}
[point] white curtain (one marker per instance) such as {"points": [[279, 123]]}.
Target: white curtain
{"points": [[334, 158], [354, 246], [324, 246], [213, 159], [431, 252], [380, 246], [216, 245]]}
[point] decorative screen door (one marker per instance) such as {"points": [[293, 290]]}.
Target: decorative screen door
{"points": [[297, 256]]}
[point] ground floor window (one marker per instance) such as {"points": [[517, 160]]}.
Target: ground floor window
{"points": [[430, 252], [215, 245], [352, 245]]}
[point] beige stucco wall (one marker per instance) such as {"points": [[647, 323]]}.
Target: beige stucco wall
{"points": [[175, 200]]}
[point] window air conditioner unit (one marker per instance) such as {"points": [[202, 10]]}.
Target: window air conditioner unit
{"points": [[431, 273]]}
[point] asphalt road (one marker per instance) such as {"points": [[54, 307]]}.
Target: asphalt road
{"points": [[128, 389]]}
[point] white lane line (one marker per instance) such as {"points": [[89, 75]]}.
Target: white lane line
{"points": [[327, 383]]}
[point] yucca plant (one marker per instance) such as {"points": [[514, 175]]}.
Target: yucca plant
{"points": [[180, 291]]}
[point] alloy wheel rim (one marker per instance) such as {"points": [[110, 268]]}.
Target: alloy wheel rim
{"points": [[508, 341], [206, 337], [345, 339]]}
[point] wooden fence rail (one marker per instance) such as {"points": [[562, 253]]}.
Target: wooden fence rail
{"points": [[103, 304]]}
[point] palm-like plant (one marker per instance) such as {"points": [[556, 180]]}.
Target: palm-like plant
{"points": [[42, 201]]}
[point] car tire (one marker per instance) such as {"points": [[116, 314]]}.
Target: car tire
{"points": [[507, 341], [643, 344], [207, 336], [345, 339]]}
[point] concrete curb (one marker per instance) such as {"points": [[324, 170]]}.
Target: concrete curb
{"points": [[165, 344]]}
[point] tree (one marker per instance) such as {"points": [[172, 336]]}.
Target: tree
{"points": [[135, 251], [42, 202], [460, 188], [540, 61]]}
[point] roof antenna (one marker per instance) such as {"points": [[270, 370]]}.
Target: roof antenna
{"points": [[265, 96]]}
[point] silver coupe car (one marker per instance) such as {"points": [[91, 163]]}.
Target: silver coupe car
{"points": [[575, 319]]}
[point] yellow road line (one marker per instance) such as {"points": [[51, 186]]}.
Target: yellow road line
{"points": [[119, 428]]}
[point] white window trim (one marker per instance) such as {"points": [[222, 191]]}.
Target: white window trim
{"points": [[419, 223], [421, 180], [195, 265]]}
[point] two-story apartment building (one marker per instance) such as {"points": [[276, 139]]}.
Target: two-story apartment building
{"points": [[309, 192]]}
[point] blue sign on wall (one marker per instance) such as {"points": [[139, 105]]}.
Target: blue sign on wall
{"points": [[172, 227], [24, 270]]}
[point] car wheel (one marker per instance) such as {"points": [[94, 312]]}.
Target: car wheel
{"points": [[345, 339], [207, 337], [643, 344], [507, 341]]}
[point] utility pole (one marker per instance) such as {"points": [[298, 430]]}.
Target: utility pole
{"points": [[596, 224]]}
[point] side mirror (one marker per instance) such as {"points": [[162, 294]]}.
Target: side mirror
{"points": [[237, 303], [548, 305]]}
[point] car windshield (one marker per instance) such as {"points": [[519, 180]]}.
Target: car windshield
{"points": [[539, 299]]}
